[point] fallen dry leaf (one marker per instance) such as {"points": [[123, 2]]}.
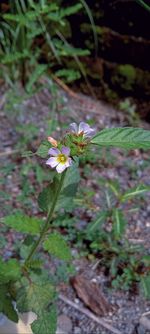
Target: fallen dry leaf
{"points": [[89, 292]]}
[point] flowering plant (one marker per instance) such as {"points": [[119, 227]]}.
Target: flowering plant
{"points": [[24, 280]]}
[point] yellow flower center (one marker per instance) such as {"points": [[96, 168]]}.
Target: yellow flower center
{"points": [[61, 158]]}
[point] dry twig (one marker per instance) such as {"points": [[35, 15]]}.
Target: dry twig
{"points": [[89, 314], [8, 152]]}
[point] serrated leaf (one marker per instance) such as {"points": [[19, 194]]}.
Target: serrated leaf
{"points": [[43, 149], [34, 296], [9, 271], [129, 138], [65, 200], [136, 191], [68, 192], [145, 286], [27, 154], [96, 224], [47, 323], [46, 197], [23, 223], [57, 246], [119, 223], [6, 305]]}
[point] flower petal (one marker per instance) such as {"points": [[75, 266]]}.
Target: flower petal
{"points": [[61, 167], [90, 133], [73, 127], [68, 162], [54, 151], [53, 162], [65, 150], [86, 129]]}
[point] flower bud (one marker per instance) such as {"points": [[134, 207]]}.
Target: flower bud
{"points": [[52, 141]]}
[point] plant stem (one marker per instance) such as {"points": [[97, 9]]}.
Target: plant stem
{"points": [[48, 220], [143, 4]]}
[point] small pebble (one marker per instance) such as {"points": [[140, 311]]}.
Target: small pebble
{"points": [[77, 330], [76, 300], [64, 324]]}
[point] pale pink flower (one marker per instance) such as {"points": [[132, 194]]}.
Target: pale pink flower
{"points": [[59, 159], [83, 129]]}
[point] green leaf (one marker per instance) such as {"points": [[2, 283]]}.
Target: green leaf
{"points": [[114, 186], [45, 198], [43, 149], [20, 18], [46, 324], [68, 74], [65, 200], [129, 138], [145, 286], [119, 223], [146, 260], [57, 247], [66, 50], [27, 154], [96, 224], [40, 173], [6, 305], [36, 296], [3, 241], [13, 57], [23, 223], [136, 191], [40, 69], [9, 271], [70, 10], [114, 266]]}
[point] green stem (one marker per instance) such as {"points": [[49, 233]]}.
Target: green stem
{"points": [[143, 4], [48, 220]]}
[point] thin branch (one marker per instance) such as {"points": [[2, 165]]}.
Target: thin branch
{"points": [[89, 314], [9, 152], [145, 322], [2, 102]]}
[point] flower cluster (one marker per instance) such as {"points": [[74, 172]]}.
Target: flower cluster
{"points": [[76, 140]]}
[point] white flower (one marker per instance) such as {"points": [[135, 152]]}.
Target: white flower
{"points": [[83, 129], [59, 159]]}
